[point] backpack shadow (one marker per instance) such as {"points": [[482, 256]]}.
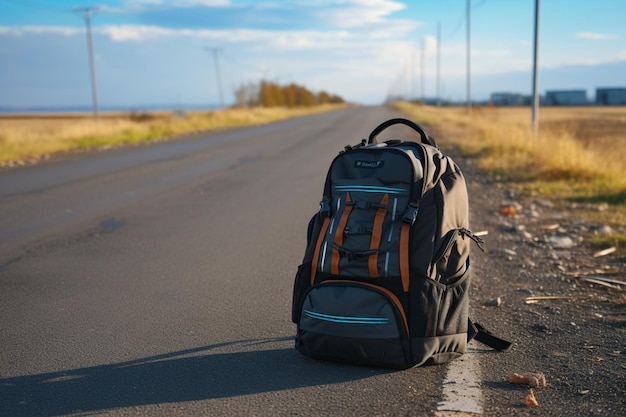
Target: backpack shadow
{"points": [[201, 373]]}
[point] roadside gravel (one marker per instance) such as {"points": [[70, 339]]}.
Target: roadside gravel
{"points": [[573, 331]]}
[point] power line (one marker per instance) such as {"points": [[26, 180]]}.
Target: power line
{"points": [[458, 26], [476, 6], [461, 20], [240, 64]]}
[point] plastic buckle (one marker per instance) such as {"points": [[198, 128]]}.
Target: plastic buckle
{"points": [[410, 214], [325, 207], [362, 205]]}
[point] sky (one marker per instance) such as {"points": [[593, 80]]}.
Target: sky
{"points": [[180, 52]]}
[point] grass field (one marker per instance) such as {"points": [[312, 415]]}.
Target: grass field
{"points": [[579, 155], [28, 138]]}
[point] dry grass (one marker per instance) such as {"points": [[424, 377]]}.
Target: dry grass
{"points": [[27, 139], [579, 154]]}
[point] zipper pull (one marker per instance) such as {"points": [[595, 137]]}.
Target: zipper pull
{"points": [[477, 239]]}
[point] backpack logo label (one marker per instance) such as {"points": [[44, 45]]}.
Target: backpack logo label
{"points": [[369, 164]]}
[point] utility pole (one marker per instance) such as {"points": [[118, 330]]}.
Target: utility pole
{"points": [[87, 13], [216, 51], [438, 64], [535, 111], [413, 89], [423, 60], [469, 78]]}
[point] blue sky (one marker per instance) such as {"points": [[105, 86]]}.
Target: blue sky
{"points": [[151, 52]]}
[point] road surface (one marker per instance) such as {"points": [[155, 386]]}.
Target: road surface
{"points": [[156, 280]]}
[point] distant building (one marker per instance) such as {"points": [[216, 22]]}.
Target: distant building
{"points": [[566, 98], [610, 96], [509, 99]]}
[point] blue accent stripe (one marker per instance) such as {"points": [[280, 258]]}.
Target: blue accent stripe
{"points": [[346, 319], [370, 189]]}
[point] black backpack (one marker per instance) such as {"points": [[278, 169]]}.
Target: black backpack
{"points": [[385, 275]]}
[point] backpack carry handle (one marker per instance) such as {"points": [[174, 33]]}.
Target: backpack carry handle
{"points": [[425, 138]]}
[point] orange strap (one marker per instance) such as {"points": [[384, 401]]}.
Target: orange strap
{"points": [[377, 233], [318, 245], [334, 264], [404, 255]]}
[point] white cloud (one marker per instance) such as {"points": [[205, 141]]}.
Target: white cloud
{"points": [[53, 30], [125, 33], [140, 4], [133, 6], [430, 45], [396, 30], [278, 39], [205, 3], [355, 13], [595, 36]]}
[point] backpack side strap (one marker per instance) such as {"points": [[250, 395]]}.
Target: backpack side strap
{"points": [[478, 332]]}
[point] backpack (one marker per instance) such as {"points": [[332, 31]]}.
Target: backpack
{"points": [[385, 275]]}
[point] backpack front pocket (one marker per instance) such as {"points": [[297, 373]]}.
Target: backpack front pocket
{"points": [[353, 322]]}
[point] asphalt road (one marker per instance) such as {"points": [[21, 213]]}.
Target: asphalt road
{"points": [[157, 280]]}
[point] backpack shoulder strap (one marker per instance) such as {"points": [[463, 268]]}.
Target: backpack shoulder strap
{"points": [[478, 332]]}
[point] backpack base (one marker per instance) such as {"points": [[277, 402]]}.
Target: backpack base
{"points": [[387, 353]]}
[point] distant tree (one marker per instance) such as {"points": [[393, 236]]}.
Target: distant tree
{"points": [[241, 96], [278, 96], [270, 94], [305, 98], [265, 95], [290, 93], [336, 99], [323, 97], [247, 95]]}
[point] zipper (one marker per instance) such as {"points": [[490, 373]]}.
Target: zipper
{"points": [[449, 243], [477, 239]]}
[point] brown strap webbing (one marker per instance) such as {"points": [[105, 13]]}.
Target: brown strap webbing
{"points": [[404, 256], [377, 233], [318, 245], [334, 264]]}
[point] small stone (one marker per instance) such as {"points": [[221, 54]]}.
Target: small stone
{"points": [[544, 203], [561, 242], [496, 302], [526, 291], [604, 230]]}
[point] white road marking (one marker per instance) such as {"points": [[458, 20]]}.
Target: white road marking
{"points": [[462, 394]]}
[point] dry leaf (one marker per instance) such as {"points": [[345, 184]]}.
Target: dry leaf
{"points": [[531, 401], [534, 380], [508, 210]]}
